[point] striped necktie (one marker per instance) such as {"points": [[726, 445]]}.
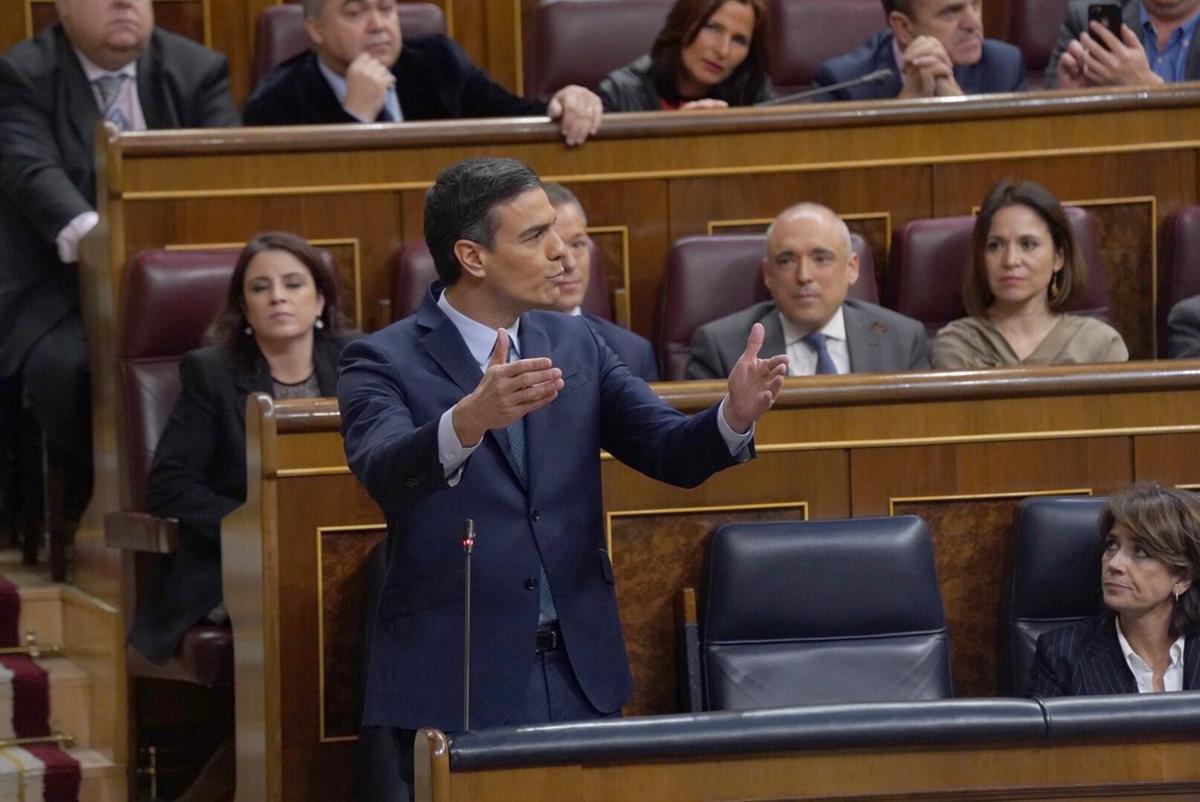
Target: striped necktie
{"points": [[110, 89]]}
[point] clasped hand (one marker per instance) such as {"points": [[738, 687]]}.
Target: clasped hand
{"points": [[507, 391]]}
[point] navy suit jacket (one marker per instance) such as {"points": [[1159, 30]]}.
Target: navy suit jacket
{"points": [[434, 81], [1000, 69], [634, 350], [393, 388], [1085, 659], [47, 124]]}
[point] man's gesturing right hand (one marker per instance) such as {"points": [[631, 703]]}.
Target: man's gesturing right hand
{"points": [[507, 391]]}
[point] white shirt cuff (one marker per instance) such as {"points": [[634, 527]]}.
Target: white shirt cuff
{"points": [[738, 444], [451, 453], [68, 239]]}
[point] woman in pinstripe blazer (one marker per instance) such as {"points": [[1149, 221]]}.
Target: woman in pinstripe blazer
{"points": [[1148, 638]]}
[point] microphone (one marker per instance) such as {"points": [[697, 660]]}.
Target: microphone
{"points": [[877, 77], [468, 544]]}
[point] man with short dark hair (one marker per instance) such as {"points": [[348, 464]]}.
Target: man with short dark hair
{"points": [[477, 408], [934, 48], [571, 226], [104, 59], [1157, 45], [360, 70], [809, 269]]}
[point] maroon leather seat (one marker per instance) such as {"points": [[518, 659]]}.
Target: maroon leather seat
{"points": [[279, 32], [413, 272], [807, 33], [1033, 27], [168, 299], [581, 41], [1179, 269], [928, 257], [708, 277]]}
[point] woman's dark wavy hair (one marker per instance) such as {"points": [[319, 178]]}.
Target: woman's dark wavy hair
{"points": [[229, 324], [682, 27], [1166, 523]]}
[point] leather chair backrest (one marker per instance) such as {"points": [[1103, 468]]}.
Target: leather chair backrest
{"points": [[581, 41], [1180, 266], [413, 272], [807, 33], [710, 276], [1054, 578], [822, 612], [1033, 27], [168, 300], [279, 32], [929, 257]]}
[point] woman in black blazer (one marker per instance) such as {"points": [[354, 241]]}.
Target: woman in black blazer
{"points": [[1148, 638], [280, 331]]}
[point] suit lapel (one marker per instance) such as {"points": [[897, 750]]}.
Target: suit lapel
{"points": [[862, 340], [77, 95], [885, 59], [773, 342], [1102, 667], [152, 95], [1191, 663], [445, 346]]}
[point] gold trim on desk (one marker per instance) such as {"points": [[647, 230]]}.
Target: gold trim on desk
{"points": [[645, 513], [1068, 491], [320, 531], [518, 50]]}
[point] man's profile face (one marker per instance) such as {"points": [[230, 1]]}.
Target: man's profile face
{"points": [[957, 24], [809, 266], [523, 269], [577, 257], [347, 28], [111, 33]]}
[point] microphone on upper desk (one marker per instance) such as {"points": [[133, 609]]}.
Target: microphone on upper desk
{"points": [[879, 76]]}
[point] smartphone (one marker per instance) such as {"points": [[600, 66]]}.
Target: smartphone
{"points": [[1108, 15]]}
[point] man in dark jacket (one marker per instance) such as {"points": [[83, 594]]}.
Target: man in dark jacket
{"points": [[934, 48], [103, 60], [359, 70]]}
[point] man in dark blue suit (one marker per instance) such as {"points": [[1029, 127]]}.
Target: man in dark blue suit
{"points": [[476, 407], [934, 48], [571, 226], [360, 70]]}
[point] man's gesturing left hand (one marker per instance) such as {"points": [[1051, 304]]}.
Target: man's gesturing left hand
{"points": [[753, 383]]}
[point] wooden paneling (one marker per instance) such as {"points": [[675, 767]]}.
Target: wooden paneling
{"points": [[958, 453]]}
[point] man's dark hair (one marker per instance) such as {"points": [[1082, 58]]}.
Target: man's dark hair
{"points": [[903, 6], [461, 205]]}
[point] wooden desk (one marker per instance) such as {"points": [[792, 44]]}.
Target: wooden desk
{"points": [[957, 449], [1129, 156]]}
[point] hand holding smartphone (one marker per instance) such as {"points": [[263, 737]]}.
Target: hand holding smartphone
{"points": [[1108, 15]]}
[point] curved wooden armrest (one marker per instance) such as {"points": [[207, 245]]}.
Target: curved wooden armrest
{"points": [[141, 531]]}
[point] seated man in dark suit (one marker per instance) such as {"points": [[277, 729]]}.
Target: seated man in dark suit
{"points": [[1183, 326], [571, 226], [934, 48], [1157, 45], [102, 60], [359, 70], [809, 269]]}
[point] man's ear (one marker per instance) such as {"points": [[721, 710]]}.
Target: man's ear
{"points": [[852, 268], [901, 27], [471, 257], [313, 26]]}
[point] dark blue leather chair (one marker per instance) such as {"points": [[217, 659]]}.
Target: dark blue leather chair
{"points": [[1054, 579], [822, 612]]}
